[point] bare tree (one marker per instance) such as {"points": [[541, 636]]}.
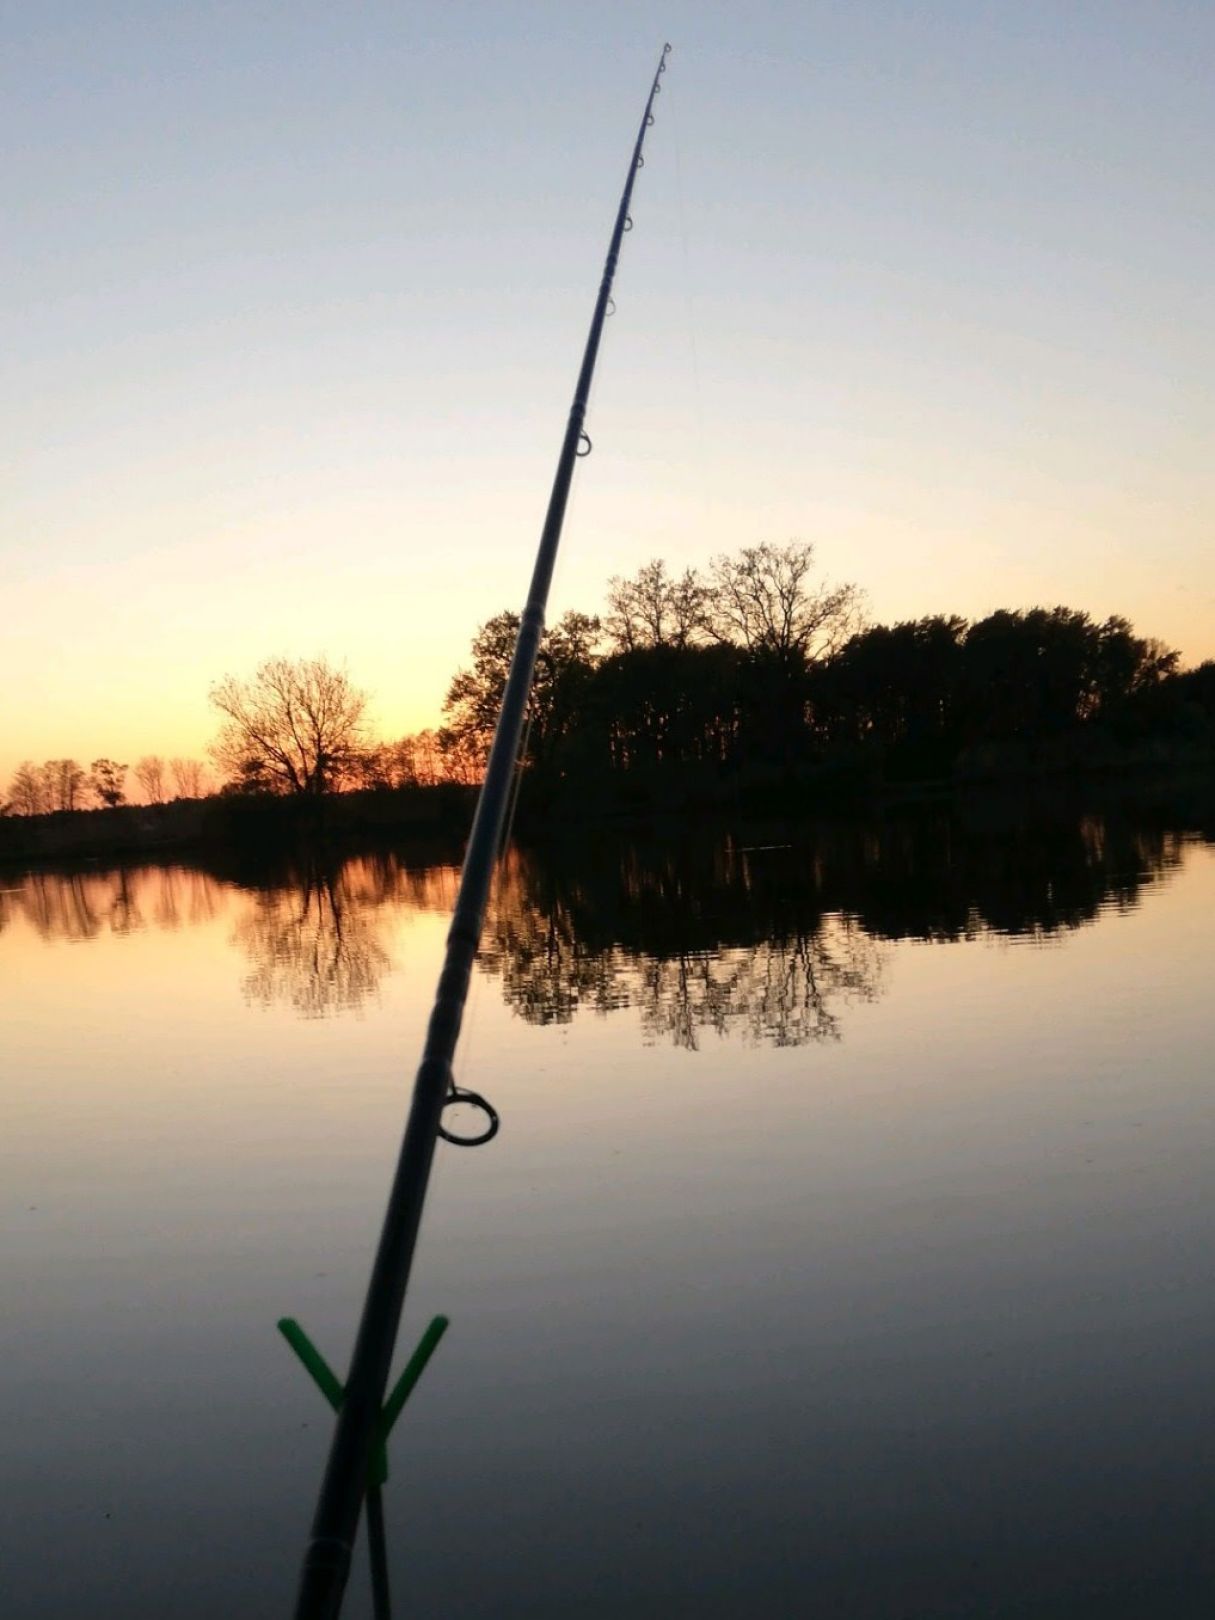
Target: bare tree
{"points": [[372, 767], [766, 600], [189, 777], [406, 760], [462, 760], [27, 791], [426, 757], [417, 759], [150, 774], [297, 726], [654, 610], [106, 779], [65, 784]]}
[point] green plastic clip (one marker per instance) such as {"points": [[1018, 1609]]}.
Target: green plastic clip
{"points": [[331, 1387]]}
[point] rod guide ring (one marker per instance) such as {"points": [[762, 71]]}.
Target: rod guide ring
{"points": [[474, 1099]]}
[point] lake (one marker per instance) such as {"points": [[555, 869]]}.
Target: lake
{"points": [[845, 1248]]}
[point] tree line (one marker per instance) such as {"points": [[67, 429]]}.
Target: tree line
{"points": [[755, 665], [760, 666], [64, 784], [299, 727]]}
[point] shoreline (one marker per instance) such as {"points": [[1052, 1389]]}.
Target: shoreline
{"points": [[437, 818]]}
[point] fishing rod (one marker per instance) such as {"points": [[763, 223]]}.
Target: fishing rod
{"points": [[360, 1428]]}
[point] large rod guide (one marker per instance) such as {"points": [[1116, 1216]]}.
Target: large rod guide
{"points": [[359, 1419]]}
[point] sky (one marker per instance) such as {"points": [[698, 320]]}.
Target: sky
{"points": [[293, 298]]}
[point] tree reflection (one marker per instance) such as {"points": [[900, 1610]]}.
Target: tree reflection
{"points": [[772, 937], [661, 937], [997, 870], [314, 933], [766, 936], [311, 931], [314, 944], [81, 906], [781, 992]]}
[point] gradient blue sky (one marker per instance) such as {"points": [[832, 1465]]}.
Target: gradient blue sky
{"points": [[294, 297]]}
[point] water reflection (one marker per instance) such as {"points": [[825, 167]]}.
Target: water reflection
{"points": [[80, 906], [313, 946], [314, 936], [952, 878], [666, 937], [978, 1239], [771, 937], [768, 935]]}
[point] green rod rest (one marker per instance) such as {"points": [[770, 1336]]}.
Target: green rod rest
{"points": [[331, 1387]]}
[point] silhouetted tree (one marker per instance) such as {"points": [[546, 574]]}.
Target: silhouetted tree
{"points": [[1130, 669], [655, 610], [297, 726], [461, 758], [375, 767], [475, 695], [929, 688], [1040, 672], [892, 685], [1193, 698], [766, 600], [27, 790], [563, 666], [422, 757], [106, 780], [65, 784], [250, 776], [189, 777], [150, 774], [665, 705]]}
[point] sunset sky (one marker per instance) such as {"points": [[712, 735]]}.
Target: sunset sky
{"points": [[294, 297]]}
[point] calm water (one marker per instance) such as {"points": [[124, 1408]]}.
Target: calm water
{"points": [[846, 1248]]}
